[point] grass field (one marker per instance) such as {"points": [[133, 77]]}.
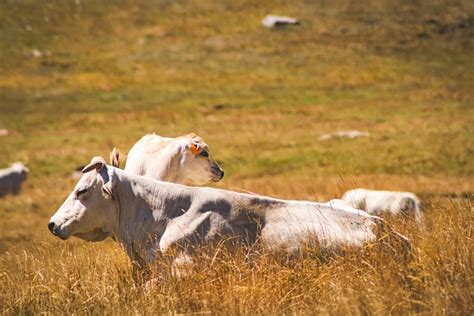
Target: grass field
{"points": [[80, 77]]}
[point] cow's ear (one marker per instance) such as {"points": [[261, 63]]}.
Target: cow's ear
{"points": [[195, 148], [193, 143], [108, 186], [96, 163]]}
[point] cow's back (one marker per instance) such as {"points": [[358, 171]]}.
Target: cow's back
{"points": [[356, 198], [331, 225], [142, 155]]}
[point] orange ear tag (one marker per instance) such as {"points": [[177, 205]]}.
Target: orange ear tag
{"points": [[194, 149]]}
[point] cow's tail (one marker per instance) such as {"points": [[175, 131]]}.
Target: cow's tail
{"points": [[387, 235], [116, 156]]}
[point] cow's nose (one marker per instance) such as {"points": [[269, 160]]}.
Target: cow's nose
{"points": [[222, 173], [51, 227]]}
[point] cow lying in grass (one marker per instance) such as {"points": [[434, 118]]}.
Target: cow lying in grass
{"points": [[11, 178], [150, 217], [184, 160], [379, 202]]}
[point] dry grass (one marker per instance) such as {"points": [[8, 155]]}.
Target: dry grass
{"points": [[76, 277], [112, 71]]}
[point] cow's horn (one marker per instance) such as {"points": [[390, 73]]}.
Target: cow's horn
{"points": [[96, 163]]}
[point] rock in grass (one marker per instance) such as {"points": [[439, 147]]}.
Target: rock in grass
{"points": [[272, 21], [344, 134]]}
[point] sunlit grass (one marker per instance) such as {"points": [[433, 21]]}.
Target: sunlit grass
{"points": [[78, 277]]}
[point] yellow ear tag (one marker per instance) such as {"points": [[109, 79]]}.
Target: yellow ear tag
{"points": [[195, 149]]}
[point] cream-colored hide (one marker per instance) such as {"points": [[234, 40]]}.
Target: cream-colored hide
{"points": [[184, 160], [149, 217]]}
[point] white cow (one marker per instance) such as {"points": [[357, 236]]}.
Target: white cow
{"points": [[150, 217], [184, 160], [379, 202], [12, 177]]}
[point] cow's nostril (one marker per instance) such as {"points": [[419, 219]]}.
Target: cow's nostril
{"points": [[222, 174], [51, 227]]}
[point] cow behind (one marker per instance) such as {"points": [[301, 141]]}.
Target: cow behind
{"points": [[184, 160], [380, 202]]}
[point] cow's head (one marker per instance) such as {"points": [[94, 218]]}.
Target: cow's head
{"points": [[21, 169], [196, 164], [89, 211]]}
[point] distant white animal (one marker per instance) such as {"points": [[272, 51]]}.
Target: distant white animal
{"points": [[11, 178], [379, 202], [271, 21], [184, 160], [150, 217], [344, 134]]}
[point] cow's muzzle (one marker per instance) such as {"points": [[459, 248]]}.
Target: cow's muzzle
{"points": [[217, 173], [56, 231]]}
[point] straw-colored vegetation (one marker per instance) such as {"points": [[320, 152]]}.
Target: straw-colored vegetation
{"points": [[79, 77]]}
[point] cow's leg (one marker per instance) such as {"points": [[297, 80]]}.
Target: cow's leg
{"points": [[16, 189], [140, 269], [140, 272], [182, 228], [176, 266], [182, 265]]}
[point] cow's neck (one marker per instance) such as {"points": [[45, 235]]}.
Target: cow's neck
{"points": [[144, 208], [166, 165]]}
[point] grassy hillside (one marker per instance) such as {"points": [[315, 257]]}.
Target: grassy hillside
{"points": [[79, 77]]}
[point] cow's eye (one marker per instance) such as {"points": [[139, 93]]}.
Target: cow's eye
{"points": [[204, 153], [81, 191]]}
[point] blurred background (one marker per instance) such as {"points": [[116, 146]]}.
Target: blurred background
{"points": [[80, 77]]}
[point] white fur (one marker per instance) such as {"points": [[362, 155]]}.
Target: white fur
{"points": [[379, 202], [171, 159], [148, 217], [11, 178]]}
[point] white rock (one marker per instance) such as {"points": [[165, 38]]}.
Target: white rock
{"points": [[36, 53], [271, 21], [344, 134]]}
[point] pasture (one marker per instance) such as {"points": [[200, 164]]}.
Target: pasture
{"points": [[80, 77]]}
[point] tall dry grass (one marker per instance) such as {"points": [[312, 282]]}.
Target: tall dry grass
{"points": [[78, 277]]}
